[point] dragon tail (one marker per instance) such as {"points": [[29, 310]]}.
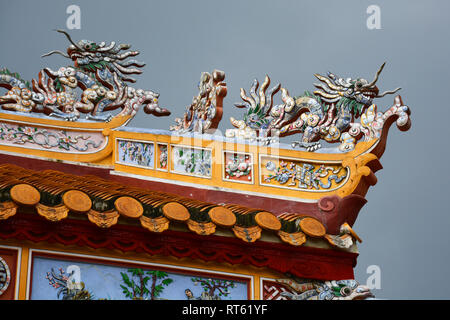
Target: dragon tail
{"points": [[9, 80]]}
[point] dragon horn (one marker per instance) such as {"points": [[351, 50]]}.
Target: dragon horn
{"points": [[253, 89], [247, 98], [69, 38], [328, 82], [262, 90], [370, 85], [53, 52], [387, 92]]}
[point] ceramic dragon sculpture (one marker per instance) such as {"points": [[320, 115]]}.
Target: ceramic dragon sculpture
{"points": [[102, 72], [205, 111], [328, 113], [324, 290]]}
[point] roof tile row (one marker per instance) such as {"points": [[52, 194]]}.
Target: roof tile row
{"points": [[54, 194]]}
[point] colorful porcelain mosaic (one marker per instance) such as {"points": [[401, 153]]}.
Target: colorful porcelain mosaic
{"points": [[162, 157], [205, 111], [372, 123], [238, 167], [326, 114], [101, 71], [51, 139], [192, 161], [135, 153], [307, 289], [295, 174], [61, 279]]}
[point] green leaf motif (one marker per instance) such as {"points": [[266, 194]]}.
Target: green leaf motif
{"points": [[126, 279], [166, 282]]}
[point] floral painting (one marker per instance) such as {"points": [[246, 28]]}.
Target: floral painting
{"points": [[62, 278], [297, 175], [162, 156], [238, 167], [49, 139], [192, 161], [213, 289], [135, 153]]}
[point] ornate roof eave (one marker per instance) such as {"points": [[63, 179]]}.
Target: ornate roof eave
{"points": [[300, 261], [55, 194]]}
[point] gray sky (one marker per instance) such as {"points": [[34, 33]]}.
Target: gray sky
{"points": [[405, 223]]}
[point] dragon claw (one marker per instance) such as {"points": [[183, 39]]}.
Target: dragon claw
{"points": [[309, 146], [106, 118], [64, 116]]}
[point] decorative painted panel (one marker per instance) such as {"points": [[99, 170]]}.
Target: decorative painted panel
{"points": [[58, 277], [66, 141], [307, 289], [162, 157], [238, 167], [135, 153], [192, 161], [8, 272], [272, 290], [301, 175]]}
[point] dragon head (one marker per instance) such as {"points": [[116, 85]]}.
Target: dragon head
{"points": [[344, 290], [332, 89], [91, 56]]}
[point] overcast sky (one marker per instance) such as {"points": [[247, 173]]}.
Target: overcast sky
{"points": [[405, 224]]}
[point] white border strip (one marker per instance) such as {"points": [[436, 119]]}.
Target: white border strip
{"points": [[36, 124], [176, 268]]}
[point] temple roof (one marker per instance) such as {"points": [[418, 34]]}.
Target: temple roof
{"points": [[55, 194], [243, 184]]}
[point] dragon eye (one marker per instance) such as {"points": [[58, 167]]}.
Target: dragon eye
{"points": [[69, 72], [87, 46], [345, 291]]}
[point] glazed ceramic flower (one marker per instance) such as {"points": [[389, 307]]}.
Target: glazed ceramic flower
{"points": [[243, 166], [270, 166], [28, 131]]}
